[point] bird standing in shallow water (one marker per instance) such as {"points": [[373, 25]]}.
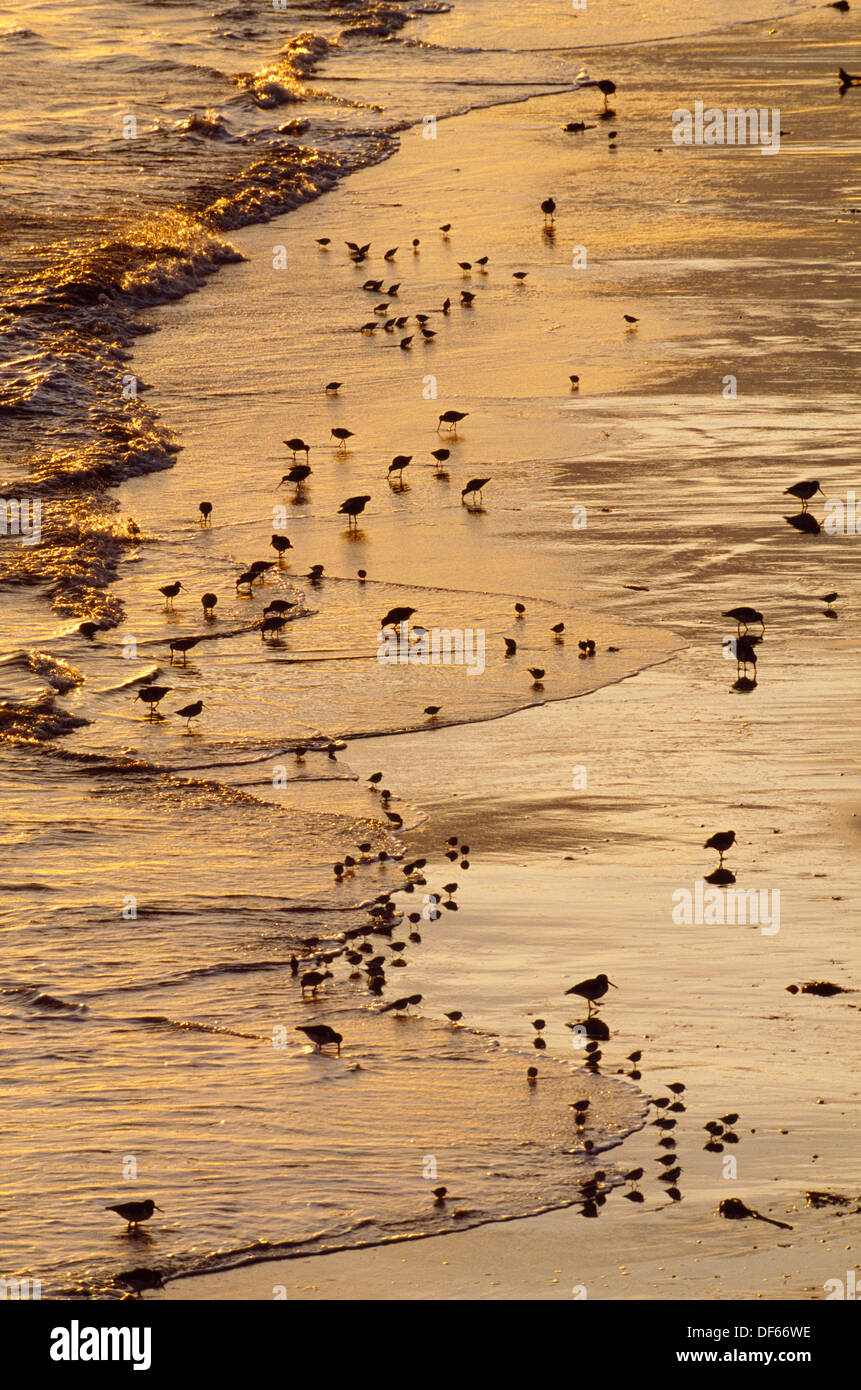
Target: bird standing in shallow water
{"points": [[312, 979], [744, 617], [593, 989], [353, 507], [803, 491], [152, 695], [474, 485], [321, 1035], [452, 418], [170, 592], [722, 841], [298, 473], [189, 712], [548, 207], [135, 1212], [183, 645]]}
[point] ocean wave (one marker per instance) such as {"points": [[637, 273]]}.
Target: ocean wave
{"points": [[283, 81], [35, 721], [58, 674], [210, 124]]}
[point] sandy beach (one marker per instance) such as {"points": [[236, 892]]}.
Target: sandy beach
{"points": [[563, 882]]}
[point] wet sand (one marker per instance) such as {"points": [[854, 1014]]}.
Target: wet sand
{"points": [[565, 882]]}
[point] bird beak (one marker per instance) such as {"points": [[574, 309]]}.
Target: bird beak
{"points": [[161, 1209], [610, 982]]}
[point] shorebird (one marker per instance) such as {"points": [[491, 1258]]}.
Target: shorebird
{"points": [[390, 254], [333, 387], [510, 646], [575, 382], [441, 456], [183, 645], [803, 491], [321, 1035], [324, 241], [342, 436], [744, 616], [847, 80], [189, 712], [592, 990], [722, 840], [259, 568], [297, 446], [353, 507], [170, 592], [455, 1016], [396, 616], [520, 275], [829, 598], [466, 298], [135, 1212], [630, 319], [537, 674], [205, 509], [280, 544], [445, 229], [298, 473], [312, 979], [548, 207], [466, 267], [358, 253], [209, 601], [606, 88], [482, 261], [398, 464], [274, 625], [432, 711], [400, 1005], [152, 695], [557, 629], [474, 485], [452, 418]]}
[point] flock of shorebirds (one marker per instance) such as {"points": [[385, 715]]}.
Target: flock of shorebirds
{"points": [[383, 917]]}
